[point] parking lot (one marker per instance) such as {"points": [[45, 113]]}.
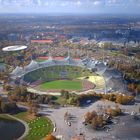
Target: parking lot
{"points": [[76, 119]]}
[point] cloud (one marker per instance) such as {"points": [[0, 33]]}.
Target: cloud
{"points": [[68, 5], [65, 2], [96, 3], [78, 3]]}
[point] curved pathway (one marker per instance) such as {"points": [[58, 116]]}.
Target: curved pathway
{"points": [[32, 90]]}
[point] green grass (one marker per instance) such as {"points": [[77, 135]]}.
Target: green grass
{"points": [[62, 84], [6, 117], [39, 126], [24, 116]]}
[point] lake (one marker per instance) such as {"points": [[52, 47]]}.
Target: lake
{"points": [[10, 129]]}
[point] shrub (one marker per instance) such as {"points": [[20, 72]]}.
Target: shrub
{"points": [[50, 137]]}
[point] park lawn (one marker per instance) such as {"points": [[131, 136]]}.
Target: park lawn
{"points": [[6, 117], [25, 116], [39, 127], [62, 84]]}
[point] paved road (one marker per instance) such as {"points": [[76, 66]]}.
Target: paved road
{"points": [[77, 117]]}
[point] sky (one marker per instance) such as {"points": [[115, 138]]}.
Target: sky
{"points": [[71, 6]]}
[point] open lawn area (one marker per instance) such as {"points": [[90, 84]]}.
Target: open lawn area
{"points": [[39, 127], [25, 116], [6, 117], [62, 84]]}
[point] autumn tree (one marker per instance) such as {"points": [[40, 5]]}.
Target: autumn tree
{"points": [[50, 137], [97, 122], [114, 111], [33, 107], [89, 116]]}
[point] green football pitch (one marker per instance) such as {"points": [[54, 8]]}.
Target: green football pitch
{"points": [[62, 84]]}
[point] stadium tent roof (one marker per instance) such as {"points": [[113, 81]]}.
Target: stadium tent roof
{"points": [[101, 72], [17, 70], [101, 65], [86, 60], [33, 65], [101, 68], [61, 62], [112, 72], [115, 84], [71, 61], [90, 63], [36, 65], [79, 62], [47, 63]]}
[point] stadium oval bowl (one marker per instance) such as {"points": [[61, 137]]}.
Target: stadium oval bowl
{"points": [[14, 48]]}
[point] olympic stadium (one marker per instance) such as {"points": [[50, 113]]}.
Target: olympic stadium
{"points": [[53, 75]]}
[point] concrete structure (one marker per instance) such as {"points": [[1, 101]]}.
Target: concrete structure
{"points": [[48, 41], [14, 48], [33, 65], [112, 77]]}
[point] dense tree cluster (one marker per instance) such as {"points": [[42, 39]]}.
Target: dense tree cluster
{"points": [[118, 98], [123, 99], [134, 88], [113, 111], [20, 94], [71, 98], [7, 87], [4, 78], [8, 107], [99, 120], [33, 107]]}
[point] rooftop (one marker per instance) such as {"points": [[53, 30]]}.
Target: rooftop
{"points": [[14, 48]]}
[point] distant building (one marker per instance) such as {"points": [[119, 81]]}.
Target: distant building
{"points": [[48, 41]]}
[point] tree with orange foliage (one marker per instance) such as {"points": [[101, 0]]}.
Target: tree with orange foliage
{"points": [[131, 87], [50, 137]]}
